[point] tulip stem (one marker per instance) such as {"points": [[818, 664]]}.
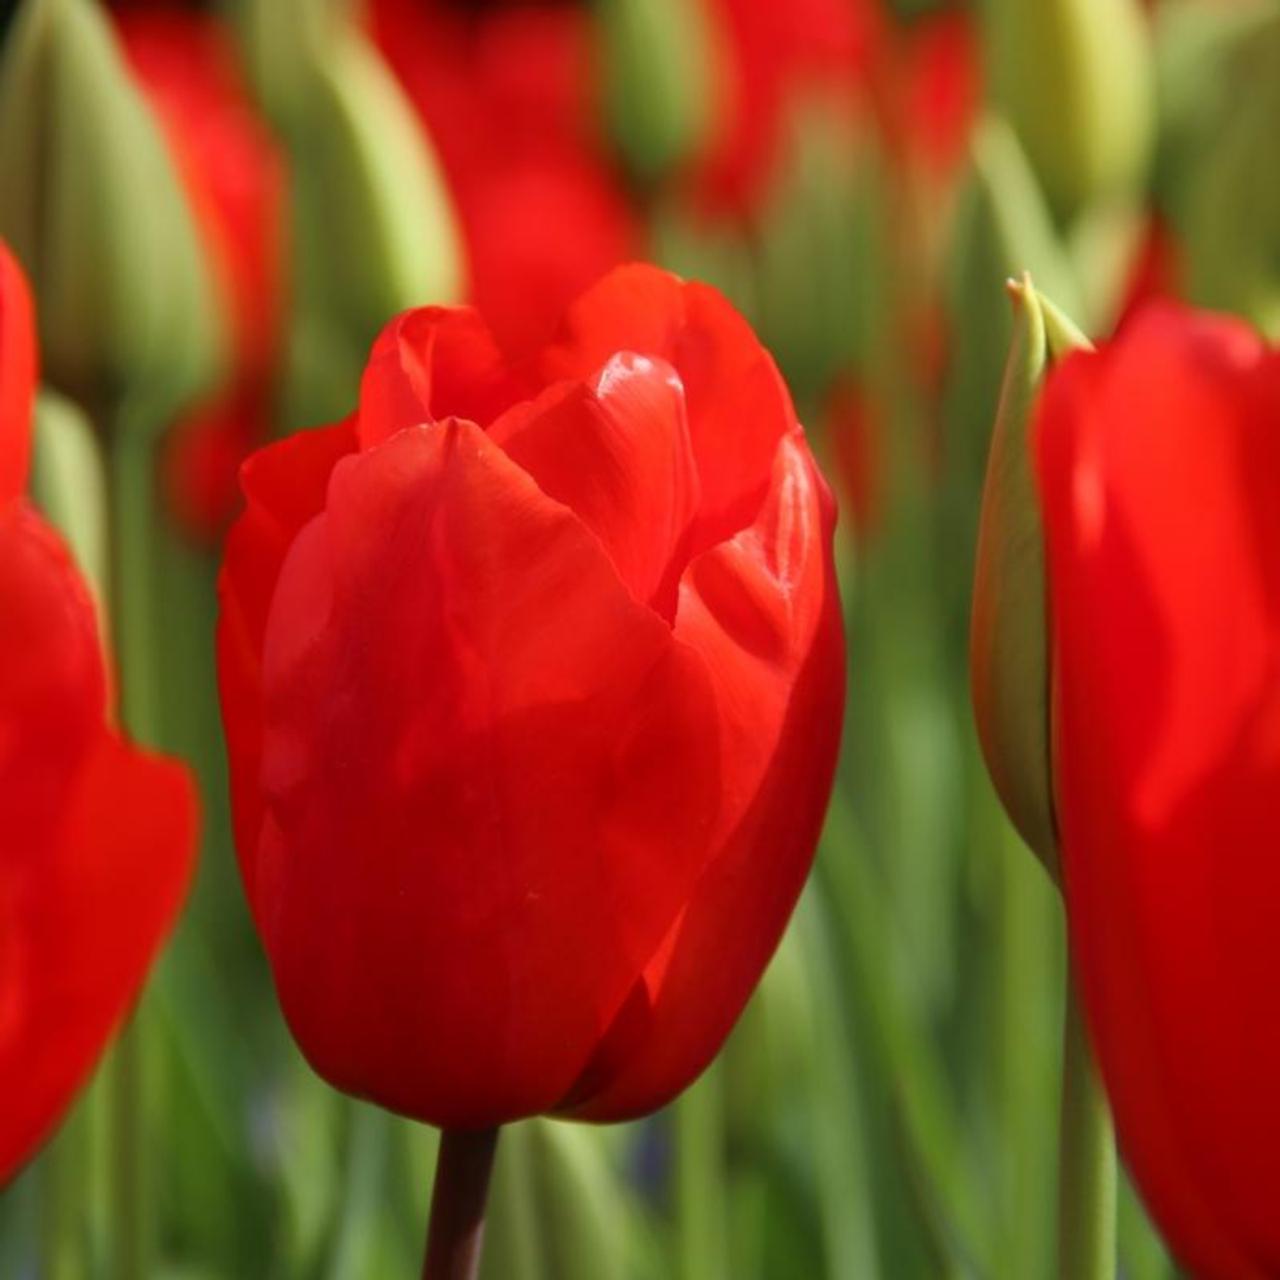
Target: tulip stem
{"points": [[456, 1233], [132, 513], [1086, 1158]]}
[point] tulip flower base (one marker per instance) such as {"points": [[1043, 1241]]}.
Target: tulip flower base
{"points": [[456, 1232]]}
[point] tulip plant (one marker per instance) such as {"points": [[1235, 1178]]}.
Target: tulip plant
{"points": [[638, 639]]}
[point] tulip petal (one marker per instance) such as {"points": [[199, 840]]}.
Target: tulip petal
{"points": [[1159, 466], [474, 837], [615, 450], [429, 364], [284, 487], [83, 912], [738, 405], [17, 376], [762, 609], [52, 681]]}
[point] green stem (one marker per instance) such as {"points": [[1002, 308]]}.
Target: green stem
{"points": [[699, 1180], [62, 1203], [125, 1102], [455, 1236], [1086, 1159], [132, 518]]}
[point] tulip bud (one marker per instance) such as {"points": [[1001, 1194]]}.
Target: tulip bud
{"points": [[1075, 78], [94, 210], [1003, 229], [1226, 198], [368, 176], [1009, 661], [67, 482], [658, 73], [819, 244]]}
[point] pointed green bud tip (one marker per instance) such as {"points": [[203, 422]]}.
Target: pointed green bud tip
{"points": [[93, 208], [1009, 658], [658, 75], [1076, 78]]}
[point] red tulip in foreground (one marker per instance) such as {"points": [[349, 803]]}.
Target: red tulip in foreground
{"points": [[98, 837], [1160, 470], [532, 680], [1158, 461]]}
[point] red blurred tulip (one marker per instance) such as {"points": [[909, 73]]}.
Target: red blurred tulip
{"points": [[775, 55], [1156, 271], [854, 431], [532, 678], [930, 82], [1159, 464], [508, 98], [234, 176], [98, 837]]}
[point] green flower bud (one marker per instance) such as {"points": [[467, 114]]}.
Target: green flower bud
{"points": [[1225, 197], [68, 484], [658, 75], [371, 188], [818, 245], [1003, 229], [1075, 78], [95, 212], [1009, 659]]}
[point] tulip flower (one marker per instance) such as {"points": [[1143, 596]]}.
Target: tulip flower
{"points": [[508, 97], [99, 837], [775, 55], [1157, 465], [1126, 701], [233, 174], [532, 678]]}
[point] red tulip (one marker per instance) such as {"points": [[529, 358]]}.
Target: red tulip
{"points": [[98, 837], [508, 97], [775, 56], [234, 177], [532, 679], [1159, 464]]}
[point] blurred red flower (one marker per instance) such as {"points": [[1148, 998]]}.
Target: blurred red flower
{"points": [[773, 56], [1159, 464], [508, 96], [234, 176], [532, 710], [98, 837]]}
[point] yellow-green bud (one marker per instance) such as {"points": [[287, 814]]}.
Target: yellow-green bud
{"points": [[659, 76], [1075, 78], [1009, 657], [94, 210]]}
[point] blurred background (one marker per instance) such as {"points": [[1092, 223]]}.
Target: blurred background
{"points": [[220, 205]]}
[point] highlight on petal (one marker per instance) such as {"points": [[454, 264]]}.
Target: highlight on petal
{"points": [[473, 835]]}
